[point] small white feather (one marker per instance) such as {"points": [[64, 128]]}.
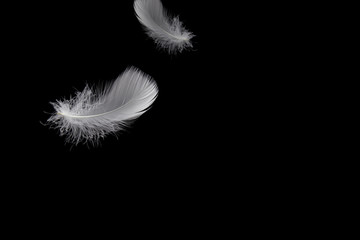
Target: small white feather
{"points": [[94, 113], [168, 33]]}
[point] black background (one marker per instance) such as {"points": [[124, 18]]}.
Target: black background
{"points": [[214, 100], [221, 100], [233, 133], [176, 151], [221, 122], [57, 48]]}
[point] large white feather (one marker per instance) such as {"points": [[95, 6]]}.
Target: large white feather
{"points": [[167, 33], [94, 113]]}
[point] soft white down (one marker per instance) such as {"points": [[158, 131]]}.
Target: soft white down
{"points": [[167, 32]]}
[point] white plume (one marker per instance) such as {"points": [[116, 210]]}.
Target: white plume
{"points": [[94, 113], [167, 33]]}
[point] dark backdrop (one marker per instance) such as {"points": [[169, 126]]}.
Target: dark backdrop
{"points": [[205, 94], [218, 128], [59, 47], [222, 96]]}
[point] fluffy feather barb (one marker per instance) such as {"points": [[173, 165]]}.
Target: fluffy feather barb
{"points": [[94, 113], [167, 33]]}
